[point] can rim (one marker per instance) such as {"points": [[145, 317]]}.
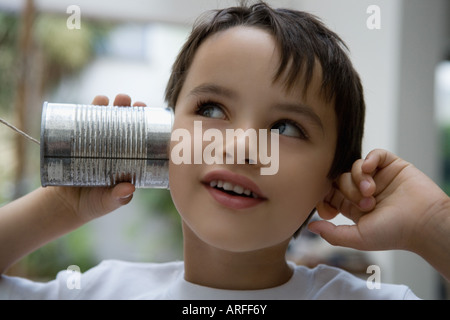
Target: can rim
{"points": [[42, 143]]}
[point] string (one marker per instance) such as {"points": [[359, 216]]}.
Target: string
{"points": [[6, 123]]}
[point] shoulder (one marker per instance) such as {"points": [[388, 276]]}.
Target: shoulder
{"points": [[328, 282], [127, 267], [111, 279], [125, 270], [115, 279]]}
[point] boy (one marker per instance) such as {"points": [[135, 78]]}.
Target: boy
{"points": [[241, 68]]}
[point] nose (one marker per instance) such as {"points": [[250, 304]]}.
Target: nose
{"points": [[241, 146]]}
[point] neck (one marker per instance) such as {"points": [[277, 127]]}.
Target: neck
{"points": [[217, 268]]}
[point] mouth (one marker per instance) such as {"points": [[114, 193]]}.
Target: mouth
{"points": [[232, 190]]}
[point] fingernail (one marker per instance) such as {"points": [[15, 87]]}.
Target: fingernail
{"points": [[364, 186], [366, 203], [126, 196]]}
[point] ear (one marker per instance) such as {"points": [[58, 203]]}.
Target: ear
{"points": [[326, 211]]}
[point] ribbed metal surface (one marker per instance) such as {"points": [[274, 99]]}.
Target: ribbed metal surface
{"points": [[86, 145]]}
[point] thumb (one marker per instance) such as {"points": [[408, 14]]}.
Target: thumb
{"points": [[342, 235], [114, 198]]}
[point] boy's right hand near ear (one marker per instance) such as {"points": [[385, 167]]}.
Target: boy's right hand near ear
{"points": [[48, 213], [394, 206]]}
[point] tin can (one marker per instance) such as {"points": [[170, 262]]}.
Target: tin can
{"points": [[91, 146]]}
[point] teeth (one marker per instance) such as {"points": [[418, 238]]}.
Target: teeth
{"points": [[238, 189], [228, 186]]}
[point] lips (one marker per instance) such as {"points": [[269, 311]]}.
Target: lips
{"points": [[232, 190]]}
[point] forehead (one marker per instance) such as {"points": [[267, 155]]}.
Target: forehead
{"points": [[247, 52], [233, 50]]}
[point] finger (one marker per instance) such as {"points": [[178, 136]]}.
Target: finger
{"points": [[377, 159], [351, 192], [337, 201], [100, 100], [343, 235], [101, 201], [117, 196], [123, 190], [139, 104], [362, 181], [384, 167], [348, 188], [122, 100]]}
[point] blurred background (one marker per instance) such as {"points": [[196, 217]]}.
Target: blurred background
{"points": [[70, 51]]}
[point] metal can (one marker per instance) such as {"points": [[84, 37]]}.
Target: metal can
{"points": [[88, 145]]}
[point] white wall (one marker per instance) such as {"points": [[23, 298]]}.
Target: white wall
{"points": [[375, 54], [423, 41]]}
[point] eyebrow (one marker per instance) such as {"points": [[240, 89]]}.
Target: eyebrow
{"points": [[209, 88], [300, 109]]}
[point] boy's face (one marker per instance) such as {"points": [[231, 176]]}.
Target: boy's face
{"points": [[229, 86]]}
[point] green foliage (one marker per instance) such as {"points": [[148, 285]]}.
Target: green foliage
{"points": [[159, 201], [62, 52], [69, 48], [73, 248], [67, 51], [8, 52]]}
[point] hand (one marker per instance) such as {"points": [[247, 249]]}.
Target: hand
{"points": [[393, 204], [88, 203], [45, 214]]}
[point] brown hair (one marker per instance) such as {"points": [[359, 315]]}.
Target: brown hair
{"points": [[302, 39]]}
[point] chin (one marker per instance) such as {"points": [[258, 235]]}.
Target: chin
{"points": [[239, 241]]}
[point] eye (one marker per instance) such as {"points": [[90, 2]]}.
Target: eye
{"points": [[210, 110], [290, 129]]}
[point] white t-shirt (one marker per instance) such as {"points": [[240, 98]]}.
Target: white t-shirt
{"points": [[113, 279]]}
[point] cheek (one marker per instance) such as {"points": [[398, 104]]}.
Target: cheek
{"points": [[295, 191], [304, 181], [179, 175], [182, 188], [184, 183], [175, 184]]}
